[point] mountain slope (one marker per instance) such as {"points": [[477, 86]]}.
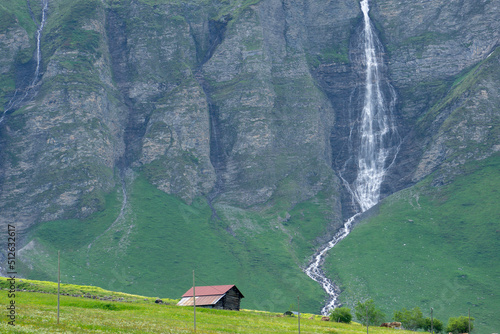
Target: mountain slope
{"points": [[162, 136], [161, 240], [429, 246]]}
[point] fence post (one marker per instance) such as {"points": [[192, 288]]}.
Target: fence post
{"points": [[58, 282], [469, 320], [194, 303], [432, 321], [298, 310], [367, 318]]}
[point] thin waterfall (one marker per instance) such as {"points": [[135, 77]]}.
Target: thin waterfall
{"points": [[120, 218], [45, 6], [17, 99], [377, 144]]}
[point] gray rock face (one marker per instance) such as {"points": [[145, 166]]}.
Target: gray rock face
{"points": [[432, 46], [467, 127], [241, 103], [432, 40], [14, 39], [59, 147], [270, 121], [154, 63]]}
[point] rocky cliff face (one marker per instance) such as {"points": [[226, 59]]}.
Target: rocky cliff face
{"points": [[60, 144], [439, 59], [245, 103], [206, 100]]}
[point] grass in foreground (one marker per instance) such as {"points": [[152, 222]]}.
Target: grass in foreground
{"points": [[37, 313]]}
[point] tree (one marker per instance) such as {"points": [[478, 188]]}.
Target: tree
{"points": [[375, 315], [459, 325], [410, 319], [437, 325], [341, 314]]}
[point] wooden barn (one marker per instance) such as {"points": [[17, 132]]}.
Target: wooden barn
{"points": [[222, 297]]}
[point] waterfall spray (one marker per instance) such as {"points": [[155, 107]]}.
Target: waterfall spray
{"points": [[376, 146]]}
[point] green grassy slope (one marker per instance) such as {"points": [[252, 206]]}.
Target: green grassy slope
{"points": [[160, 240], [430, 247], [37, 313], [74, 290]]}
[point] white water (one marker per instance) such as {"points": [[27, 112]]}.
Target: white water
{"points": [[374, 126], [15, 102], [375, 129], [45, 4], [315, 272]]}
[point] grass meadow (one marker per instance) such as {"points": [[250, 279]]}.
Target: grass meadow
{"points": [[36, 312]]}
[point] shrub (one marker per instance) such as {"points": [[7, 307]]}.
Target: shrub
{"points": [[459, 325], [411, 319], [437, 325], [375, 315], [341, 314]]}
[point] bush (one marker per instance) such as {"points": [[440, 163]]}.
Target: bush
{"points": [[411, 319], [375, 315], [437, 325], [459, 325], [341, 314]]}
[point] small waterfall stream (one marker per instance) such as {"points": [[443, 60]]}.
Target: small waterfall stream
{"points": [[315, 272], [20, 96], [375, 143], [45, 6], [119, 218]]}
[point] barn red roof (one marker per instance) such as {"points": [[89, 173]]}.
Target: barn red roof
{"points": [[212, 290]]}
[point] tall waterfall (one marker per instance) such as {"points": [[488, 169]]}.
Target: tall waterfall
{"points": [[376, 144], [376, 124], [20, 96]]}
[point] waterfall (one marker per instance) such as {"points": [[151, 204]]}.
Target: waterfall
{"points": [[377, 145], [45, 6], [16, 101], [375, 127]]}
